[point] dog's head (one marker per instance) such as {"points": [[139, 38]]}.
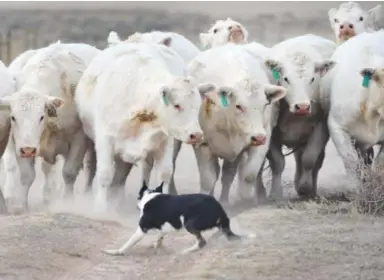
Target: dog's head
{"points": [[145, 191]]}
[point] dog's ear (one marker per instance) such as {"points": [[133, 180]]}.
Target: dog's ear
{"points": [[142, 190], [160, 188]]}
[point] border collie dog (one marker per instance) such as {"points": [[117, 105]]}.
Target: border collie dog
{"points": [[194, 212]]}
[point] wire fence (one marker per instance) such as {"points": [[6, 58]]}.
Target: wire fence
{"points": [[15, 40]]}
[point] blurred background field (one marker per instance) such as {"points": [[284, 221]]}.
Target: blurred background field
{"points": [[28, 25]]}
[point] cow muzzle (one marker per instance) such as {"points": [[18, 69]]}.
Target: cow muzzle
{"points": [[195, 138], [302, 109], [258, 140], [346, 31], [28, 152], [236, 34]]}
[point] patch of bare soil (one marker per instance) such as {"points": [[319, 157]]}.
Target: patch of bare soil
{"points": [[302, 241]]}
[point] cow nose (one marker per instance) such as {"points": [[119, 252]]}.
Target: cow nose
{"points": [[28, 152], [196, 136], [302, 108], [258, 140]]}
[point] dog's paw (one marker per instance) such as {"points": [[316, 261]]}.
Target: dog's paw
{"points": [[113, 252]]}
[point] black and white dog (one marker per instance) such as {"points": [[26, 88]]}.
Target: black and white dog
{"points": [[194, 212]]}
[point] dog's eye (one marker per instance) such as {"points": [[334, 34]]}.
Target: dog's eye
{"points": [[215, 30], [361, 18]]}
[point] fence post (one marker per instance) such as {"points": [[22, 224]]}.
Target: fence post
{"points": [[8, 42]]}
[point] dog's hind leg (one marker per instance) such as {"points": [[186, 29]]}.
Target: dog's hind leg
{"points": [[136, 237], [190, 227]]}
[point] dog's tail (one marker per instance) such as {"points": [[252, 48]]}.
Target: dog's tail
{"points": [[225, 228]]}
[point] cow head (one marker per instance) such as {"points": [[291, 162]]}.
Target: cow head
{"points": [[300, 75], [350, 20], [244, 105], [181, 103], [29, 112], [223, 32]]}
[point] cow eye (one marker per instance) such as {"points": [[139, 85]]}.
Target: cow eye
{"points": [[238, 107], [41, 118]]}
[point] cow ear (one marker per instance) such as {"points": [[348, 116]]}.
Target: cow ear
{"points": [[5, 103], [275, 67], [323, 67], [331, 14], [57, 102], [207, 90], [166, 95], [274, 93]]}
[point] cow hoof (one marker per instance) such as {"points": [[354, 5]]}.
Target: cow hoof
{"points": [[14, 207]]}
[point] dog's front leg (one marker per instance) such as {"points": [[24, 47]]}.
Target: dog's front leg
{"points": [[135, 238], [159, 241]]}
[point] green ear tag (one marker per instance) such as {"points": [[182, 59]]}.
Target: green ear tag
{"points": [[275, 74], [224, 100], [366, 79], [165, 100]]}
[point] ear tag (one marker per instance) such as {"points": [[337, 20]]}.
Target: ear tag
{"points": [[165, 100], [224, 101], [366, 79], [275, 74]]}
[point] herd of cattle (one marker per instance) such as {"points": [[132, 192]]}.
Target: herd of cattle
{"points": [[140, 99]]}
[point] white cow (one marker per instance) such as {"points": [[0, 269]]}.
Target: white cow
{"points": [[177, 42], [7, 87], [44, 121], [149, 103], [83, 51], [223, 32], [237, 117], [298, 64], [350, 20], [355, 90]]}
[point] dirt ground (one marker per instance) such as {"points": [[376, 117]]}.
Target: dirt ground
{"points": [[304, 241]]}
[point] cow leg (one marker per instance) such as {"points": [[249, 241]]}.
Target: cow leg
{"points": [[261, 193], [49, 171], [122, 170], [299, 166], [277, 165], [379, 160], [209, 169], [176, 149], [227, 176], [27, 176], [90, 166], [73, 162], [105, 170], [249, 170], [316, 169], [12, 184], [163, 159], [311, 153], [344, 147], [147, 166]]}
